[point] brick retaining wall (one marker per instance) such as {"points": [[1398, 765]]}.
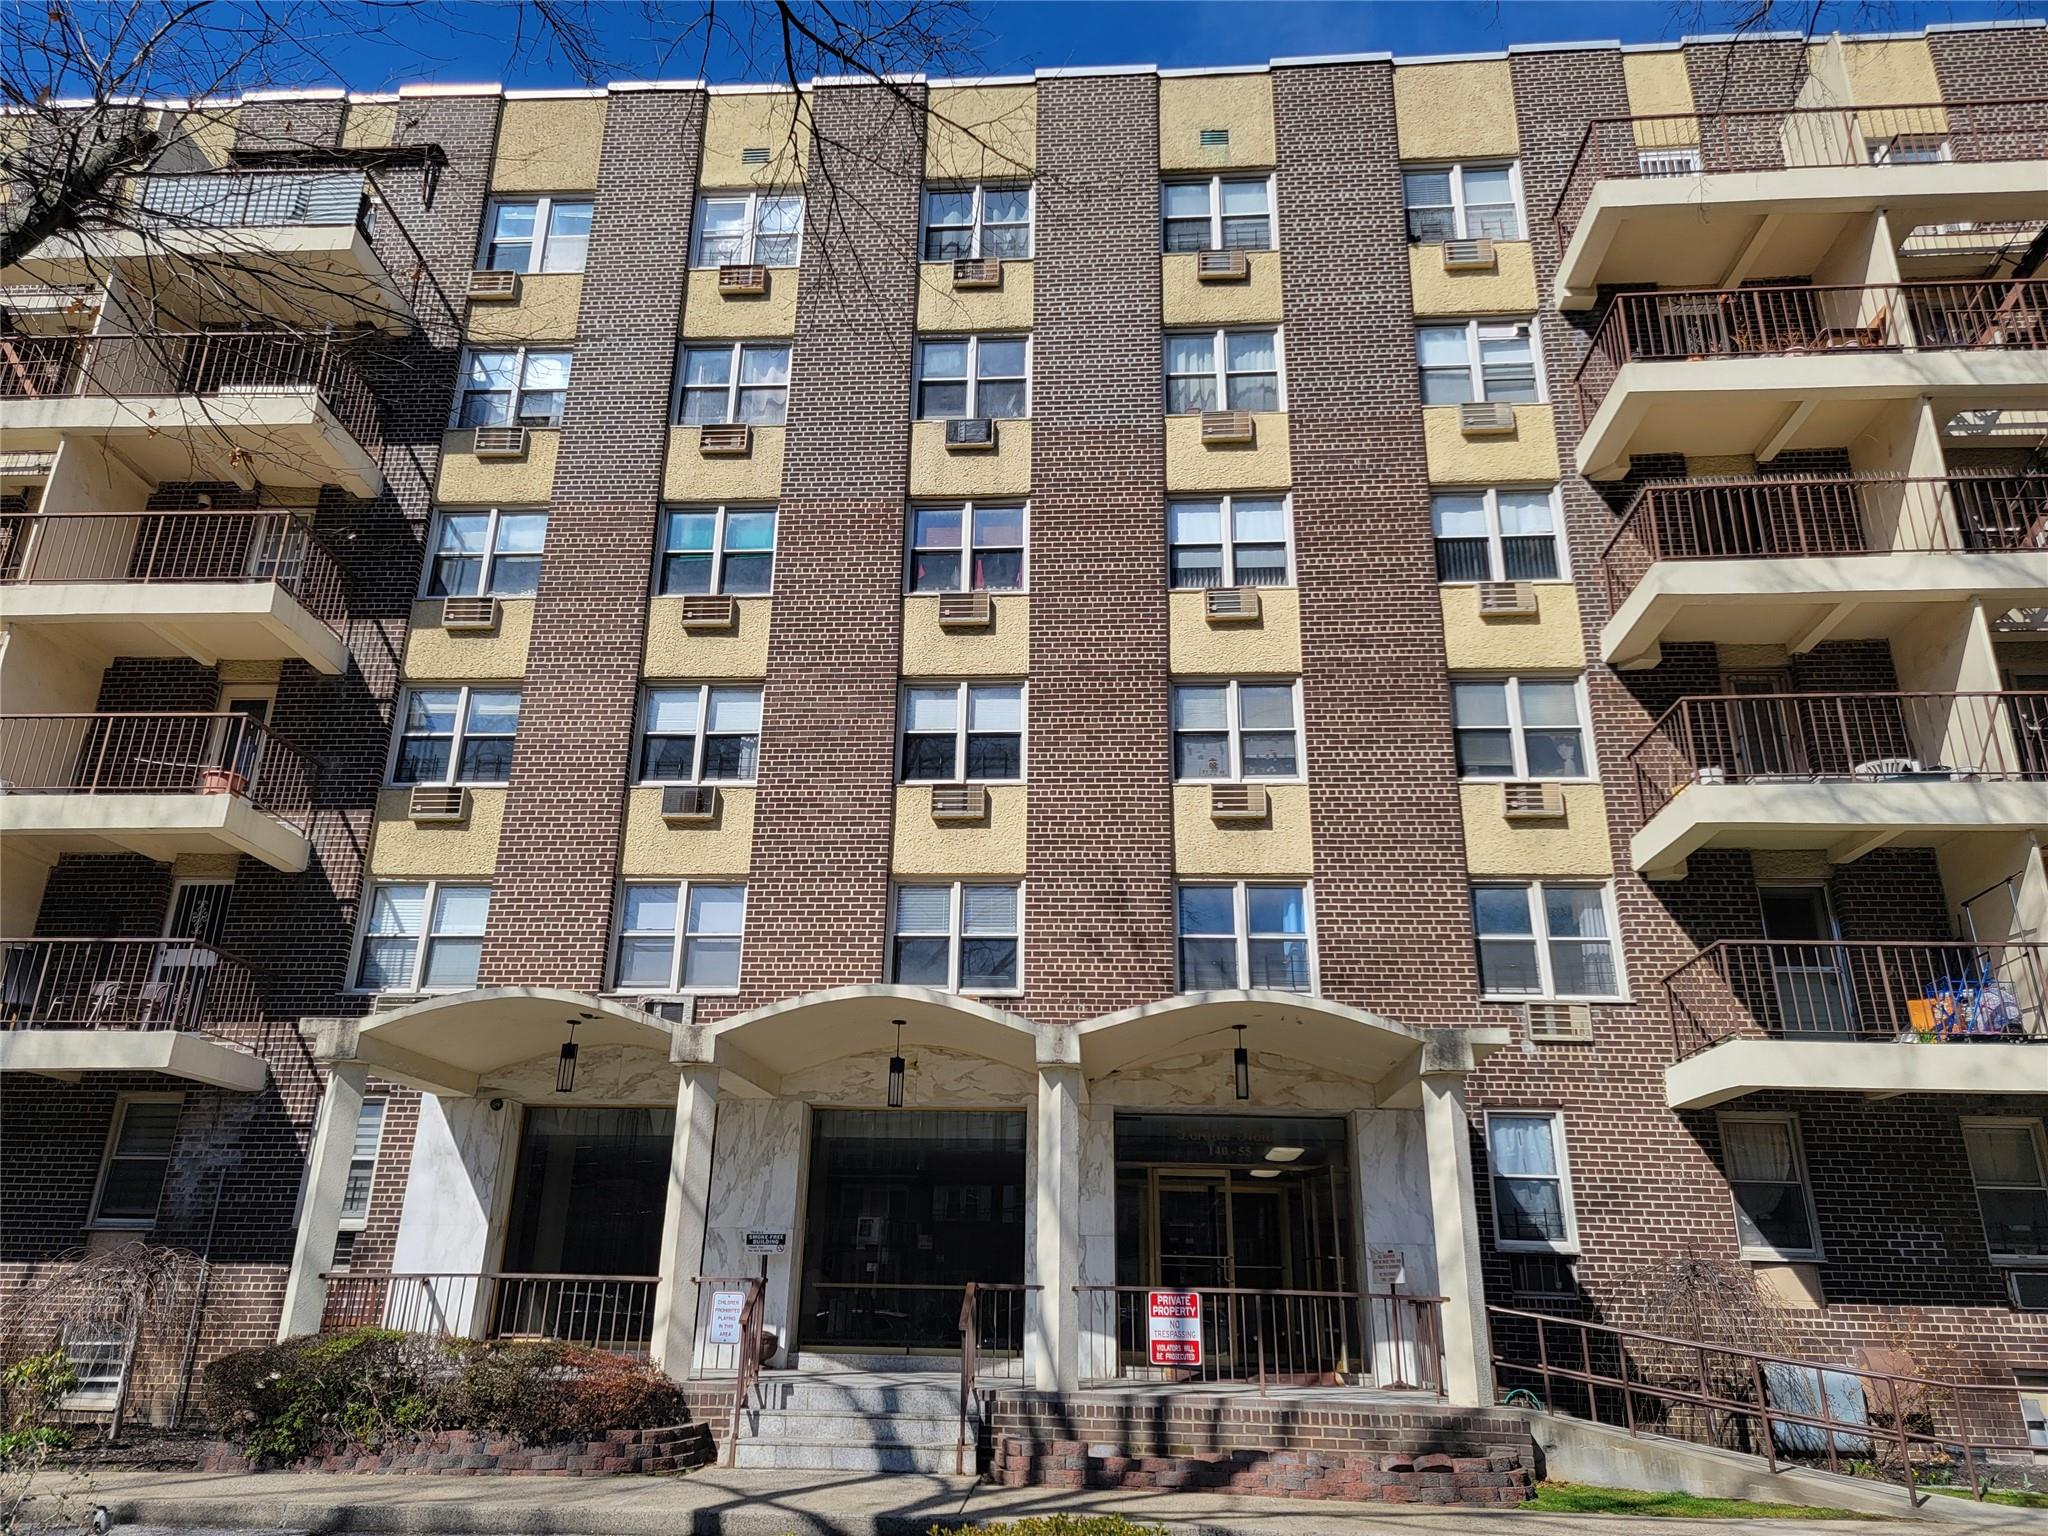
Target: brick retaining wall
{"points": [[468, 1453], [1500, 1478]]}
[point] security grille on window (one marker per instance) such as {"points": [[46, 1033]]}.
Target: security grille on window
{"points": [[138, 1160], [513, 388], [698, 733], [680, 937], [456, 735], [494, 553], [717, 549], [983, 223], [1463, 202], [1544, 939], [748, 229], [546, 234], [1233, 731], [963, 732], [1532, 1198], [1518, 728], [1479, 360], [959, 938], [2009, 1166], [423, 936], [744, 381], [1497, 535], [1766, 1170], [1244, 934], [362, 1166], [1218, 213], [973, 376], [1233, 541], [1222, 370], [967, 547]]}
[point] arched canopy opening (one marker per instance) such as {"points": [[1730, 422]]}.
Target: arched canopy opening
{"points": [[766, 1044]]}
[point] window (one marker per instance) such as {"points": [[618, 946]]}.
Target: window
{"points": [[1244, 934], [1532, 1192], [717, 549], [494, 553], [973, 376], [987, 222], [699, 733], [1463, 202], [748, 229], [967, 547], [1497, 535], [680, 937], [1231, 370], [362, 1166], [1766, 1170], [137, 1161], [745, 381], [1546, 939], [456, 735], [423, 936], [2009, 1166], [1478, 360], [959, 938], [546, 234], [1233, 541], [2034, 1407], [519, 388], [948, 725], [1226, 732], [1519, 728], [95, 1350], [1218, 213]]}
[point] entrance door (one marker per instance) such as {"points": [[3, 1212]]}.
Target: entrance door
{"points": [[1192, 1218], [177, 982], [1767, 742], [1809, 972]]}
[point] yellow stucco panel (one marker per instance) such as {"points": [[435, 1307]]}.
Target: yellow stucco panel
{"points": [[706, 655], [709, 315], [1574, 844], [1891, 72], [1509, 289], [211, 135], [1525, 456], [1280, 845], [369, 125], [1659, 83], [736, 121], [721, 846], [472, 481], [401, 850], [692, 477], [927, 847], [1455, 111], [205, 866], [1263, 464], [1004, 308], [544, 311], [1270, 647], [433, 654], [1551, 638], [254, 670], [981, 133], [1242, 105], [1185, 300], [1001, 650], [936, 470], [549, 145]]}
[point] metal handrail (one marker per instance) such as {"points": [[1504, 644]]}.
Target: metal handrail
{"points": [[747, 1368], [595, 1311], [125, 984], [970, 1343], [210, 753]]}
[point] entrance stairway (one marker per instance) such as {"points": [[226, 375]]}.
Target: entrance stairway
{"points": [[894, 1419]]}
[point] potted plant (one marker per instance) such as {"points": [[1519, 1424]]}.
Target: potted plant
{"points": [[222, 781]]}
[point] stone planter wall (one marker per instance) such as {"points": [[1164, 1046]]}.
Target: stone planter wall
{"points": [[467, 1453]]}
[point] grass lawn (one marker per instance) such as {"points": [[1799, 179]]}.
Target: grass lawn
{"points": [[2013, 1498], [1581, 1499]]}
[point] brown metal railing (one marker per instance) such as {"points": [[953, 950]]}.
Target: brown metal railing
{"points": [[1792, 1411], [609, 1312], [739, 1358], [1671, 324], [1791, 516], [1860, 737], [123, 984], [188, 754], [1935, 991], [193, 363], [254, 198], [1684, 144], [171, 547], [995, 1321]]}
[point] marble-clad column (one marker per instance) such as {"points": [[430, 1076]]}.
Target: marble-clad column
{"points": [[683, 1218], [1468, 1368], [757, 1184], [334, 1142], [1390, 1170], [453, 1191], [1057, 1206]]}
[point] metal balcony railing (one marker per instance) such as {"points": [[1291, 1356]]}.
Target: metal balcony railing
{"points": [[612, 1312], [1692, 324], [1794, 516], [256, 199], [138, 984], [1684, 144], [164, 548], [135, 754]]}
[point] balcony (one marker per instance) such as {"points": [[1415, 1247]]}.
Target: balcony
{"points": [[72, 1006], [157, 785], [212, 586], [1795, 560], [237, 406], [1880, 1018], [1758, 371], [1846, 773], [1697, 197]]}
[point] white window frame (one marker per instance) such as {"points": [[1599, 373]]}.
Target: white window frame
{"points": [[101, 1336], [703, 731], [732, 382], [2039, 1136], [973, 381], [1457, 170], [1515, 727], [1532, 890], [519, 352], [675, 985], [1219, 357], [1496, 551], [962, 688], [1240, 924], [1234, 721], [455, 738], [1215, 185], [347, 1222], [967, 507], [1475, 330], [487, 573], [367, 905], [1569, 1247], [719, 512], [98, 1223], [1228, 502], [543, 214], [1767, 1255], [752, 197], [954, 936], [2032, 1387], [980, 189]]}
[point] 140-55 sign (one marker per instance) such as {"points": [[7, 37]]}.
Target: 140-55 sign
{"points": [[1174, 1327]]}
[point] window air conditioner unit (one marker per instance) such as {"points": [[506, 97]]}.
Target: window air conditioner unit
{"points": [[1554, 1022], [970, 434], [1529, 801], [2029, 1289], [1226, 427], [489, 286], [966, 610], [684, 803], [677, 1009], [500, 443], [1238, 802], [1222, 267], [1486, 418], [710, 610], [437, 802], [1470, 256], [1231, 605], [1654, 163], [977, 274], [725, 440], [469, 613], [1506, 599], [959, 802], [742, 281]]}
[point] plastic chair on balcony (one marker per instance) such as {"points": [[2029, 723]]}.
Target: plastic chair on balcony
{"points": [[102, 1003], [153, 1002]]}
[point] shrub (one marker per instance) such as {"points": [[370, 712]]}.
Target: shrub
{"points": [[545, 1392], [33, 1387]]}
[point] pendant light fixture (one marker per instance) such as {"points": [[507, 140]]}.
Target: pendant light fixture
{"points": [[1241, 1065], [565, 1065], [896, 1070]]}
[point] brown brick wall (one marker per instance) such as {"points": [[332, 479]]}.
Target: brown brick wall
{"points": [[1989, 64]]}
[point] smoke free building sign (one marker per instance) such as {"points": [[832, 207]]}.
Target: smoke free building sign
{"points": [[1174, 1327]]}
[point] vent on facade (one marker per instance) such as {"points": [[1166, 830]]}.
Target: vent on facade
{"points": [[710, 610], [676, 1008], [500, 443], [1215, 138], [437, 802], [1542, 1274], [725, 440], [490, 286], [959, 802], [977, 274], [469, 613], [1222, 266], [1231, 605], [1226, 426], [756, 155], [1238, 802], [2029, 1289], [681, 803], [966, 610], [1469, 256], [1556, 1022], [1485, 418], [742, 280], [1653, 163], [1531, 801], [970, 434], [1506, 599]]}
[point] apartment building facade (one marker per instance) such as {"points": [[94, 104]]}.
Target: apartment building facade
{"points": [[1414, 684]]}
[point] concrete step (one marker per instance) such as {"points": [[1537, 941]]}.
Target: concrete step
{"points": [[863, 1395], [816, 1364], [852, 1428], [843, 1456]]}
